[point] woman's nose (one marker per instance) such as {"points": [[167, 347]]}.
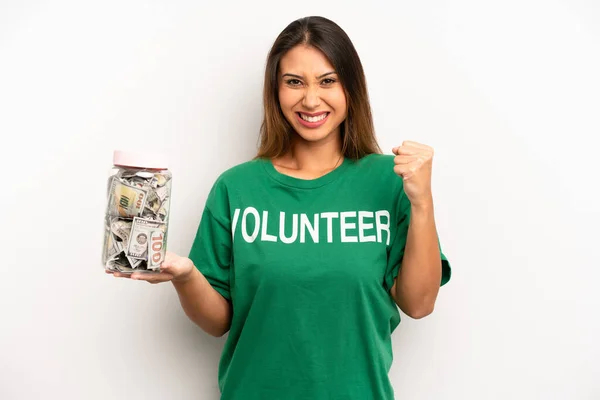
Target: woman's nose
{"points": [[311, 98]]}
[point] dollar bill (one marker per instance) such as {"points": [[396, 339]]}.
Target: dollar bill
{"points": [[125, 200], [123, 268], [156, 249], [153, 201], [121, 263], [127, 269], [157, 203], [158, 180], [162, 193], [138, 182], [114, 261], [134, 262], [121, 229], [110, 265], [162, 213], [141, 233], [126, 173], [109, 246]]}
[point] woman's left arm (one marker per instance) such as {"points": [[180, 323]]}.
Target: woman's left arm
{"points": [[417, 285]]}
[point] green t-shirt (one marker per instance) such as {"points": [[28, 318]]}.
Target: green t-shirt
{"points": [[307, 266]]}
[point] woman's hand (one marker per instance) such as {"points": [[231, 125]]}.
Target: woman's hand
{"points": [[174, 268], [413, 164]]}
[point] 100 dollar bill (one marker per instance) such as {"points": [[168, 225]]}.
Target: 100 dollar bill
{"points": [[124, 200], [156, 249], [146, 241]]}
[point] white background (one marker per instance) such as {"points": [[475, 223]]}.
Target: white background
{"points": [[507, 93]]}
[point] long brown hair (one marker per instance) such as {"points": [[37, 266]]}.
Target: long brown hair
{"points": [[358, 133]]}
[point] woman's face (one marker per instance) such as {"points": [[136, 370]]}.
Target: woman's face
{"points": [[310, 94]]}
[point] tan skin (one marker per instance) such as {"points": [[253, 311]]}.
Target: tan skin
{"points": [[308, 83]]}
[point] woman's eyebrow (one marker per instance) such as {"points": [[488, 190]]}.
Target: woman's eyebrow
{"points": [[318, 77]]}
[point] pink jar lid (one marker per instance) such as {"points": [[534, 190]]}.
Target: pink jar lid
{"points": [[140, 160]]}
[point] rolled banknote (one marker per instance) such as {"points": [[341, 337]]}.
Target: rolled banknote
{"points": [[159, 180], [141, 233], [121, 229]]}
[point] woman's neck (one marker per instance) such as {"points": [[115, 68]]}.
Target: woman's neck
{"points": [[313, 157]]}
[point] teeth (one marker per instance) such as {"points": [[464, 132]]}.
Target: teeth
{"points": [[313, 119]]}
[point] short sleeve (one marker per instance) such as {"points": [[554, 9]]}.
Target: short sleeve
{"points": [[396, 251], [211, 249]]}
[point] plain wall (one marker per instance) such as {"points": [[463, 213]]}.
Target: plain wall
{"points": [[507, 93]]}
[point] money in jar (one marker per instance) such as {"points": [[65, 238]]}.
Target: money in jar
{"points": [[136, 221]]}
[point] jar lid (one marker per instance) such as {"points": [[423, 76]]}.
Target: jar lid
{"points": [[140, 160]]}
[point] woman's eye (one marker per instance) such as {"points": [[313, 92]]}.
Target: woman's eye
{"points": [[293, 82], [328, 81]]}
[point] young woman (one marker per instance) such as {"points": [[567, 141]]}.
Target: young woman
{"points": [[305, 253]]}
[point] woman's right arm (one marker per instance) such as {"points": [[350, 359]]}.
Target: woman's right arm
{"points": [[203, 304], [200, 301]]}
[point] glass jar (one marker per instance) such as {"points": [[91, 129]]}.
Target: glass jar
{"points": [[137, 213]]}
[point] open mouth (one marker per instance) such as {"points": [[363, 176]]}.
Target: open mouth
{"points": [[316, 118], [312, 121]]}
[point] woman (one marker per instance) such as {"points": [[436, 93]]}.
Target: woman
{"points": [[303, 253]]}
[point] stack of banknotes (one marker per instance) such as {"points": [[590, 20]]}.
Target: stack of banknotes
{"points": [[136, 222]]}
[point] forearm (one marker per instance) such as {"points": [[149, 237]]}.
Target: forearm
{"points": [[203, 304], [418, 281]]}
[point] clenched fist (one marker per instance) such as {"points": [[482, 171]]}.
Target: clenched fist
{"points": [[413, 164]]}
